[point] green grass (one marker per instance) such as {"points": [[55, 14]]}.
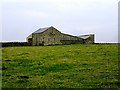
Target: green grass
{"points": [[62, 66]]}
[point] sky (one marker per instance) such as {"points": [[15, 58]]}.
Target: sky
{"points": [[19, 18]]}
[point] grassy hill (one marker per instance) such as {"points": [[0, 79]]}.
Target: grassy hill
{"points": [[62, 66]]}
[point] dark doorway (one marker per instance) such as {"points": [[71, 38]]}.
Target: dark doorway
{"points": [[30, 41]]}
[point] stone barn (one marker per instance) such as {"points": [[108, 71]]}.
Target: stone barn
{"points": [[52, 36], [88, 39]]}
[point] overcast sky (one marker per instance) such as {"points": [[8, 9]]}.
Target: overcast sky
{"points": [[22, 17]]}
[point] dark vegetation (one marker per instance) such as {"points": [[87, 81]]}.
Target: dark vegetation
{"points": [[10, 44]]}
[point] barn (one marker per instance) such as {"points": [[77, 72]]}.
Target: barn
{"points": [[52, 36]]}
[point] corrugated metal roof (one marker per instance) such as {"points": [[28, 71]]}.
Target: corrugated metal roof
{"points": [[84, 37], [69, 35], [41, 30]]}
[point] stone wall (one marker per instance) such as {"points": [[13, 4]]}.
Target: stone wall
{"points": [[89, 40], [52, 36], [69, 39], [49, 37]]}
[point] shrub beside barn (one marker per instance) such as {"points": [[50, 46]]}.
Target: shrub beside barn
{"points": [[7, 44], [52, 36]]}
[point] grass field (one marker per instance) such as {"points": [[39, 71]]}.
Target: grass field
{"points": [[62, 66]]}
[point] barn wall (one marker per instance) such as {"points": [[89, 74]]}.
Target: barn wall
{"points": [[89, 40], [52, 36], [48, 37], [33, 39], [69, 39]]}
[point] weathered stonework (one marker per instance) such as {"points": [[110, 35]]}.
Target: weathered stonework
{"points": [[51, 36]]}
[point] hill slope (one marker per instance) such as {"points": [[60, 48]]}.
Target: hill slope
{"points": [[63, 66]]}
